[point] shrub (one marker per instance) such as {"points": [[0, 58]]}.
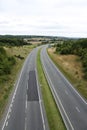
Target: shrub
{"points": [[78, 47], [6, 63]]}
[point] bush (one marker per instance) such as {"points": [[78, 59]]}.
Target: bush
{"points": [[12, 60], [78, 47], [6, 63], [2, 51]]}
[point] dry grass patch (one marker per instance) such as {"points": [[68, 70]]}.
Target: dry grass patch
{"points": [[71, 66], [8, 80]]}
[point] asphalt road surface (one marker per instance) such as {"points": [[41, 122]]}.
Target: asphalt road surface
{"points": [[72, 106], [25, 110]]}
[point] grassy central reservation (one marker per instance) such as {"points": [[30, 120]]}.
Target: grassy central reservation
{"points": [[53, 115], [7, 81]]}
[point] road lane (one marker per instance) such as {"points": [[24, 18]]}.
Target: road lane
{"points": [[33, 112], [32, 91], [24, 113], [73, 106]]}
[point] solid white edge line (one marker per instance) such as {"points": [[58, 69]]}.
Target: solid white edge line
{"points": [[10, 110], [8, 116], [26, 101], [40, 101], [77, 109], [26, 108], [67, 80], [13, 96], [52, 89], [7, 123], [11, 105]]}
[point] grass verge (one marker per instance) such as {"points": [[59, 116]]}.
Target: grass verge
{"points": [[75, 78], [8, 81], [53, 115]]}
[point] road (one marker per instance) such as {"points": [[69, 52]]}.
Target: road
{"points": [[72, 106], [25, 111]]}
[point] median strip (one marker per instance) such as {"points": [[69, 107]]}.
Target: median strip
{"points": [[53, 115]]}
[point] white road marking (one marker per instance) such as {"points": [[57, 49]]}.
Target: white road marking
{"points": [[12, 101], [7, 123], [9, 110], [26, 101], [67, 81], [11, 105], [8, 116], [77, 109], [40, 101], [26, 113], [15, 90], [66, 92], [52, 89]]}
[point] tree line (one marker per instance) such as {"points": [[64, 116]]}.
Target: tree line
{"points": [[12, 41], [78, 47]]}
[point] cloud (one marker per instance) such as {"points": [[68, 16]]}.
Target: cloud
{"points": [[50, 17]]}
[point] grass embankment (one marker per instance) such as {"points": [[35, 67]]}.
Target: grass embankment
{"points": [[7, 80], [53, 115], [71, 67]]}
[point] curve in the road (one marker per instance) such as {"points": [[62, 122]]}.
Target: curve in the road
{"points": [[25, 111], [72, 106]]}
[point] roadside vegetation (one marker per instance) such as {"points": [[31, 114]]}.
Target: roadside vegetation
{"points": [[6, 64], [78, 48], [71, 58], [53, 115], [11, 61], [12, 41]]}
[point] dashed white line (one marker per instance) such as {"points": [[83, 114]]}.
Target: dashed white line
{"points": [[8, 116], [11, 105], [9, 110], [26, 101], [67, 80], [26, 113], [7, 123], [66, 92], [13, 97], [52, 89], [77, 109]]}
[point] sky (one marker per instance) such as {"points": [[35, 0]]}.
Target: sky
{"points": [[44, 17]]}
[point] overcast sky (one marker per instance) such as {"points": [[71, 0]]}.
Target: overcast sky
{"points": [[44, 17]]}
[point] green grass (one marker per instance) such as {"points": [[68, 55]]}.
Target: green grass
{"points": [[53, 115], [7, 82]]}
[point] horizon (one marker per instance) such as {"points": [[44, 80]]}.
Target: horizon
{"points": [[41, 36]]}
